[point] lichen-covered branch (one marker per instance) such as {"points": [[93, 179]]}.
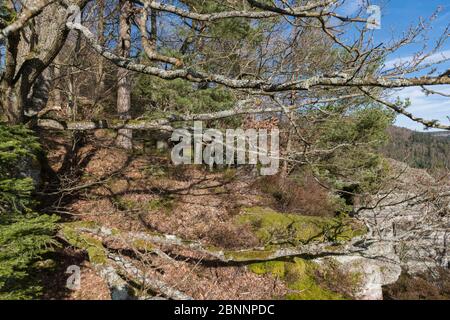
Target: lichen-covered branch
{"points": [[103, 124], [267, 11], [153, 284], [427, 123], [145, 241], [259, 84], [243, 107], [110, 266]]}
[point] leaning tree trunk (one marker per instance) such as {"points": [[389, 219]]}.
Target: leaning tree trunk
{"points": [[124, 137], [100, 76], [29, 51]]}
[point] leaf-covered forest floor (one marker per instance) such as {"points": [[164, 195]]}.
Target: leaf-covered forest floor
{"points": [[93, 182], [143, 191]]}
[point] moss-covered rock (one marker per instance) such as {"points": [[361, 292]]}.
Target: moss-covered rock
{"points": [[299, 277], [277, 268], [142, 245], [275, 228], [94, 247]]}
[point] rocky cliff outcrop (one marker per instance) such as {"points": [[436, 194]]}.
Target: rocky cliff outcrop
{"points": [[409, 229], [413, 215], [379, 265]]}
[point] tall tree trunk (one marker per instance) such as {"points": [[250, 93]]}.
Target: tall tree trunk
{"points": [[100, 77], [124, 137]]}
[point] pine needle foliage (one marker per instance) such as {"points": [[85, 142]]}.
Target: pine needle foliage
{"points": [[25, 235]]}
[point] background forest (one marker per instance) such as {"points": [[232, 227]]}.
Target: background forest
{"points": [[423, 150]]}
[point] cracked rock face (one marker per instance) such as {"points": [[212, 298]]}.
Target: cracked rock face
{"points": [[413, 237], [409, 228], [378, 266], [118, 287], [418, 230]]}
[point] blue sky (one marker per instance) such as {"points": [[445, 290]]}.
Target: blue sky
{"points": [[397, 16]]}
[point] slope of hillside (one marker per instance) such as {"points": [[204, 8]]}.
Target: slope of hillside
{"points": [[425, 150]]}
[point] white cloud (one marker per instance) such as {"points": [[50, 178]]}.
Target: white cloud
{"points": [[432, 107], [434, 58]]}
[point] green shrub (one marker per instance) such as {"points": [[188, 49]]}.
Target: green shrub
{"points": [[24, 234], [300, 195]]}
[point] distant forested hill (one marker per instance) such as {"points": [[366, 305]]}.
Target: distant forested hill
{"points": [[427, 150]]}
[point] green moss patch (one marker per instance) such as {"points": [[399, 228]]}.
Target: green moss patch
{"points": [[126, 204], [143, 245], [298, 275], [93, 246], [281, 229], [165, 204], [154, 170]]}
